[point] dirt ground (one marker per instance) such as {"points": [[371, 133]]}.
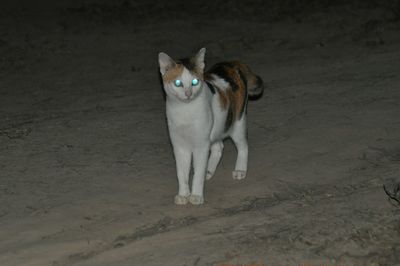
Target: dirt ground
{"points": [[87, 175]]}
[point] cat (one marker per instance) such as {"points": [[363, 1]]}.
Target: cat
{"points": [[204, 108]]}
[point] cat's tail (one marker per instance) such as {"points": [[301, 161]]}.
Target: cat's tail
{"points": [[255, 88], [255, 85]]}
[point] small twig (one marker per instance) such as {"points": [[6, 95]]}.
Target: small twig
{"points": [[196, 261], [394, 195]]}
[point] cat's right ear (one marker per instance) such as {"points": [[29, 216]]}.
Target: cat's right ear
{"points": [[199, 58], [165, 62]]}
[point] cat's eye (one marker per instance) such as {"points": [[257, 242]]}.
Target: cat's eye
{"points": [[178, 83], [195, 82]]}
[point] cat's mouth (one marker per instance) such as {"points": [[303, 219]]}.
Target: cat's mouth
{"points": [[187, 100]]}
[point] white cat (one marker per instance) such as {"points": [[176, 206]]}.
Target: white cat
{"points": [[204, 108]]}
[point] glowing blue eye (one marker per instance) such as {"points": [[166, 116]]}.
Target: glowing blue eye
{"points": [[178, 82], [195, 82]]}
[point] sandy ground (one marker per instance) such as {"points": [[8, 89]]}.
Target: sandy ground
{"points": [[87, 175]]}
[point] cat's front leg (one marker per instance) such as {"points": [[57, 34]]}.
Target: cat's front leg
{"points": [[183, 160], [200, 157]]}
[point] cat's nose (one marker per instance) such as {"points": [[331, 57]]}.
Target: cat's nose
{"points": [[188, 93]]}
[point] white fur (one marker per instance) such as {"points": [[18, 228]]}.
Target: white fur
{"points": [[196, 125], [219, 83], [189, 127]]}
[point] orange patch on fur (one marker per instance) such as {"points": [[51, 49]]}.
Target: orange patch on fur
{"points": [[173, 73], [223, 99], [239, 95]]}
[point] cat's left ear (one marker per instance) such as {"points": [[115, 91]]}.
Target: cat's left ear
{"points": [[165, 62], [199, 58]]}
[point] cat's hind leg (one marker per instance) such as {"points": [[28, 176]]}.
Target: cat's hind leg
{"points": [[239, 137], [215, 157], [183, 159]]}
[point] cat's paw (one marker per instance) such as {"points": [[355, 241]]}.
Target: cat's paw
{"points": [[196, 199], [181, 200], [238, 174], [209, 175]]}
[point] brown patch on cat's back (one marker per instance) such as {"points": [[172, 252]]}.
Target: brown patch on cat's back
{"points": [[241, 92], [173, 73], [250, 77], [233, 98], [236, 73]]}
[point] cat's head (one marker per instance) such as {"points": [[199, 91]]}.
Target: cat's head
{"points": [[183, 79]]}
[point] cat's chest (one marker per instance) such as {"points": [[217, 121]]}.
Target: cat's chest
{"points": [[189, 120], [189, 117]]}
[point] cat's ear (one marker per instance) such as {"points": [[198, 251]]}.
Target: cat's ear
{"points": [[199, 58], [165, 62]]}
